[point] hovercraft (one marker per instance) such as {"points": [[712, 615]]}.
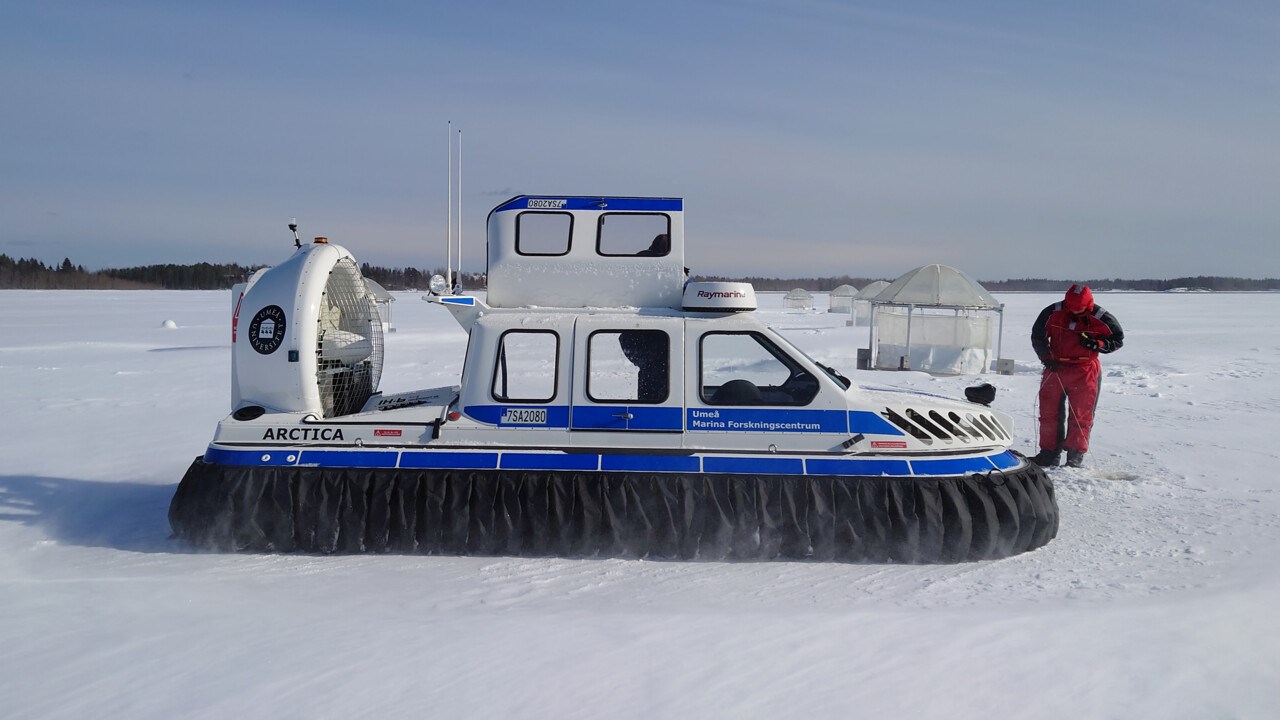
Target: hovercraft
{"points": [[608, 407]]}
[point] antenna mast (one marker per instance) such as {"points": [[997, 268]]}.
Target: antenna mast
{"points": [[448, 236], [459, 209]]}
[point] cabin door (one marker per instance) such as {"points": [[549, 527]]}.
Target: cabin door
{"points": [[628, 374]]}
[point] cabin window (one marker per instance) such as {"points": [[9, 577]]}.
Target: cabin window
{"points": [[543, 233], [634, 234], [629, 366], [525, 370], [748, 369]]}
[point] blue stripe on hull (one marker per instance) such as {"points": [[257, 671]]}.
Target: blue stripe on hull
{"points": [[1004, 460], [272, 457], [649, 463], [753, 465], [854, 466], [548, 461], [350, 458], [737, 420], [448, 460], [951, 466], [628, 462], [549, 416]]}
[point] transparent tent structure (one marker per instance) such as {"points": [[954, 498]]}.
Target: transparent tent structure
{"points": [[861, 310], [798, 299], [936, 319], [841, 299], [382, 301]]}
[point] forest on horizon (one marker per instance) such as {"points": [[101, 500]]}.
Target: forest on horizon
{"points": [[33, 274]]}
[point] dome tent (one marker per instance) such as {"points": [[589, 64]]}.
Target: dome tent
{"points": [[861, 310], [382, 301], [841, 299], [872, 290], [937, 319], [937, 285], [798, 298]]}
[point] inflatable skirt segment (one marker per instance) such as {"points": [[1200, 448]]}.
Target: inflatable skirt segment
{"points": [[615, 515]]}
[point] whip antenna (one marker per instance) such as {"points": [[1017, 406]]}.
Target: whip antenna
{"points": [[458, 283], [448, 237]]}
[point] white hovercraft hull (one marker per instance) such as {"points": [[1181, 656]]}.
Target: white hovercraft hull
{"points": [[723, 443]]}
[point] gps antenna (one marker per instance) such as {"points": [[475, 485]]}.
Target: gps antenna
{"points": [[293, 225]]}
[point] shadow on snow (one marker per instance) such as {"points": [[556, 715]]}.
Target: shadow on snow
{"points": [[119, 515]]}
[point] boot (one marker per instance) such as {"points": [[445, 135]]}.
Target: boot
{"points": [[1075, 458], [1047, 458]]}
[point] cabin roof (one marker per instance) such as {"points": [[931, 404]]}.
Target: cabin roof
{"points": [[591, 202]]}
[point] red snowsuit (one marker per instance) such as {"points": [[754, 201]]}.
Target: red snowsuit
{"points": [[1070, 382]]}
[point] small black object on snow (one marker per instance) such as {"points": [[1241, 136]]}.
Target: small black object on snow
{"points": [[982, 394]]}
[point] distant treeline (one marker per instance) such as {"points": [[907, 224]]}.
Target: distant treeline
{"points": [[32, 274], [415, 279], [201, 276], [810, 284], [1200, 282], [1203, 282]]}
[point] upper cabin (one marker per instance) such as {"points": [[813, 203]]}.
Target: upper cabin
{"points": [[567, 251]]}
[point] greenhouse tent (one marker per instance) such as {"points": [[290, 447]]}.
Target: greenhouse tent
{"points": [[841, 299], [936, 319], [382, 299], [798, 298], [861, 310]]}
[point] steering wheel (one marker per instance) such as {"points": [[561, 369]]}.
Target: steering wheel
{"points": [[801, 385]]}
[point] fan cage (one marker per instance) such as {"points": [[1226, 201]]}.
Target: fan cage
{"points": [[348, 314]]}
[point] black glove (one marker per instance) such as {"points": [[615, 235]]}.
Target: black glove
{"points": [[1090, 343]]}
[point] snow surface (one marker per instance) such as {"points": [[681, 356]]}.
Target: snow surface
{"points": [[1158, 599]]}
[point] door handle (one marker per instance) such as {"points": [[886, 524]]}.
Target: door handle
{"points": [[624, 416]]}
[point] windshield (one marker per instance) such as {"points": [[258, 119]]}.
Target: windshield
{"points": [[830, 372]]}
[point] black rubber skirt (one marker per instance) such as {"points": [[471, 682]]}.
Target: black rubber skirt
{"points": [[622, 515]]}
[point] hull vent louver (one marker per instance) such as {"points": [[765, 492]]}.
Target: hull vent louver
{"points": [[949, 428]]}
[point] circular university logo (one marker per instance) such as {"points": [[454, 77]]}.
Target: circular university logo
{"points": [[266, 332]]}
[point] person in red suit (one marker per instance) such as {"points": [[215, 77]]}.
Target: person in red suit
{"points": [[1067, 337]]}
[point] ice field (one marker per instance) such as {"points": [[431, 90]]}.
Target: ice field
{"points": [[1157, 599]]}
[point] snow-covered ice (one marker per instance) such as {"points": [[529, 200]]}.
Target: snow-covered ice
{"points": [[1157, 600]]}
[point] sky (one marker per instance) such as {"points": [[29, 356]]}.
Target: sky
{"points": [[809, 138]]}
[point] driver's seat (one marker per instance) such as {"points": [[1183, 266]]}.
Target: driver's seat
{"points": [[737, 392]]}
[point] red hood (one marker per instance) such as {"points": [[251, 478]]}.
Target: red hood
{"points": [[1079, 299]]}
